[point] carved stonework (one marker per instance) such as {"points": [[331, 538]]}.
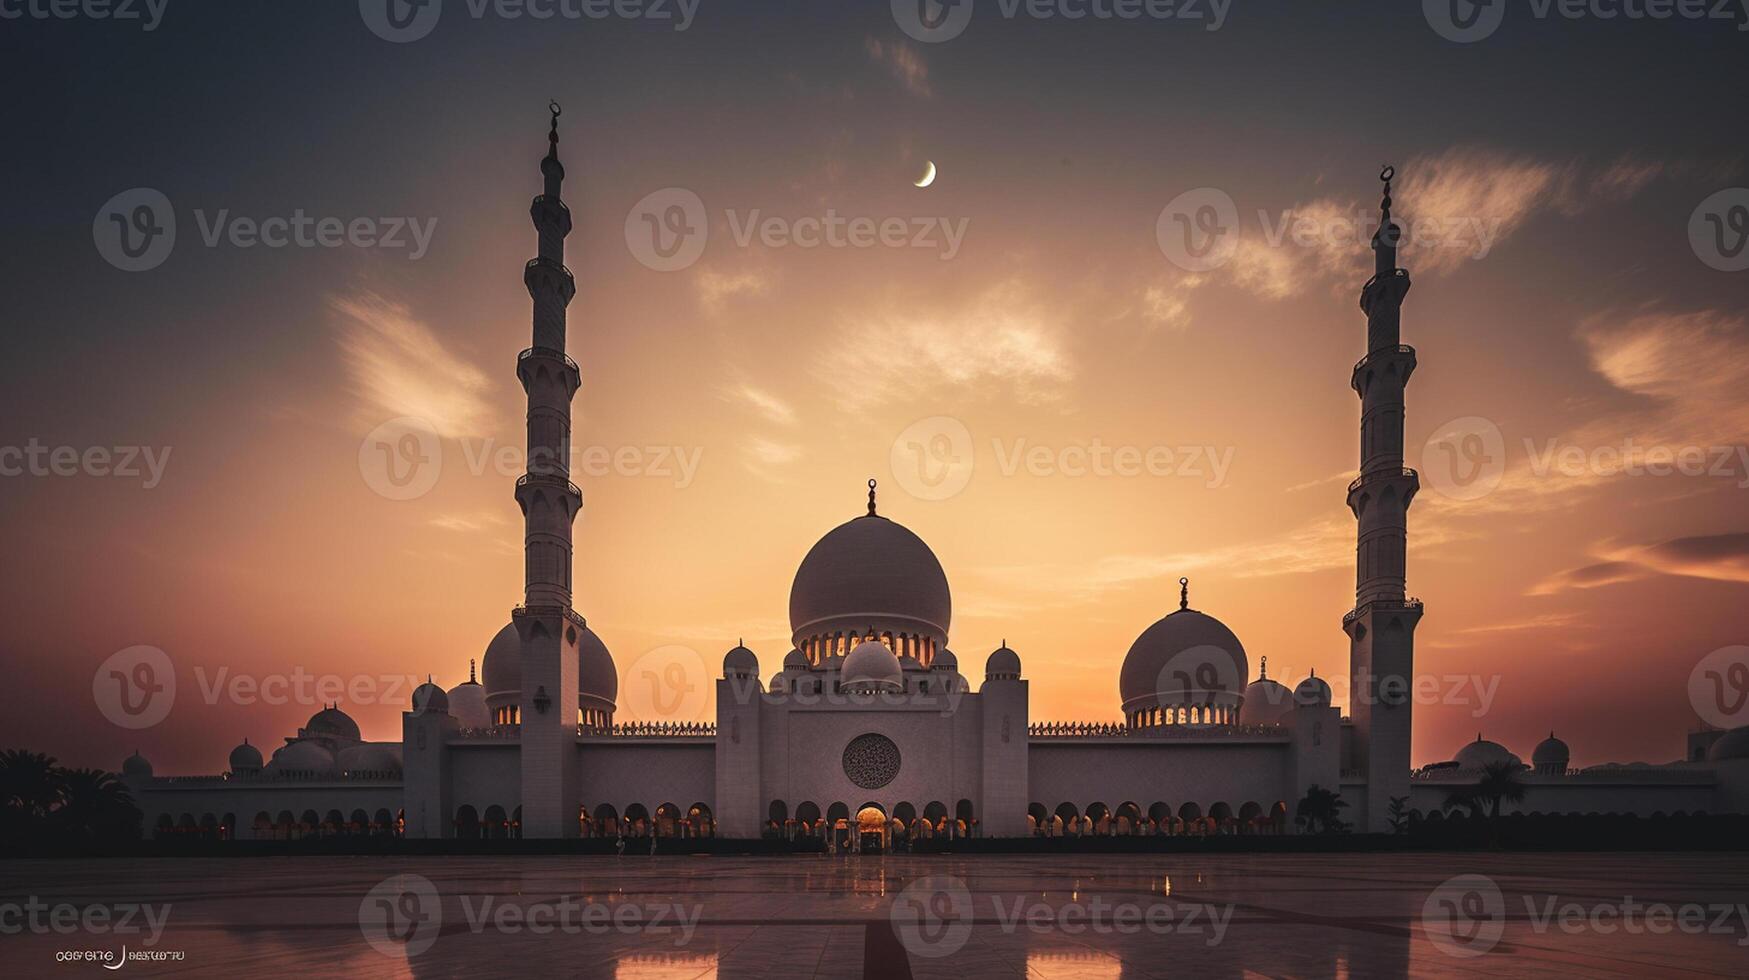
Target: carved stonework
{"points": [[871, 761]]}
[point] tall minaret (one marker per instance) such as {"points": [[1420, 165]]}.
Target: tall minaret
{"points": [[547, 624], [1381, 628]]}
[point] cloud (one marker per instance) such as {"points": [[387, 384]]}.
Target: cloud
{"points": [[1168, 305], [1590, 577], [1002, 339], [467, 522], [714, 288], [1719, 557], [773, 408], [903, 61], [398, 367]]}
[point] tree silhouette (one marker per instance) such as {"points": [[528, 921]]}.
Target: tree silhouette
{"points": [[1321, 809], [40, 800], [1499, 783]]}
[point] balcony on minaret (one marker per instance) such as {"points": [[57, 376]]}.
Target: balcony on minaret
{"points": [[549, 211], [544, 272], [1406, 481], [1393, 362], [537, 363]]}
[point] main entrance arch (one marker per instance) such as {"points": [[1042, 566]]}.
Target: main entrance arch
{"points": [[871, 829]]}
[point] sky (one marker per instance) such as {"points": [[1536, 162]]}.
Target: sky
{"points": [[1028, 316]]}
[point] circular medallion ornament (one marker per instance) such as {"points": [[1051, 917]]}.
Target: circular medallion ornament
{"points": [[871, 761]]}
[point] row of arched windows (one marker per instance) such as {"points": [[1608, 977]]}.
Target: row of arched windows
{"points": [[818, 649]]}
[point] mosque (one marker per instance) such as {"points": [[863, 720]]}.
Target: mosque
{"points": [[868, 733]]}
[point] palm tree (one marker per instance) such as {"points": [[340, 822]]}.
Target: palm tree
{"points": [[95, 803], [1499, 783], [1321, 809], [29, 788]]}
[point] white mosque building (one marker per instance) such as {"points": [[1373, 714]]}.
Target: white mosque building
{"points": [[869, 732]]}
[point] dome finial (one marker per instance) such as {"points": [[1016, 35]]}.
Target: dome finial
{"points": [[1263, 668], [471, 671], [1184, 593], [871, 497]]}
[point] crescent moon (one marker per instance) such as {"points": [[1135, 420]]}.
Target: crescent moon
{"points": [[928, 176]]}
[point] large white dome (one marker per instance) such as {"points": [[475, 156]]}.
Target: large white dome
{"points": [[869, 573], [1185, 658], [501, 670]]}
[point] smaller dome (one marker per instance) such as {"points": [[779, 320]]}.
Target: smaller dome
{"points": [[596, 675], [370, 757], [1734, 744], [1482, 753], [1550, 752], [303, 756], [1002, 664], [245, 758], [332, 721], [795, 660], [1313, 692], [136, 765], [740, 662], [957, 684], [1266, 702], [430, 697], [467, 702], [501, 666], [871, 664], [945, 660]]}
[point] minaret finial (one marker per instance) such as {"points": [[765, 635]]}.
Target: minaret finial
{"points": [[871, 497], [1184, 593], [1384, 242], [553, 132]]}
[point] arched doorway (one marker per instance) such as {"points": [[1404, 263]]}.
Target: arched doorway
{"points": [[871, 829], [838, 825]]}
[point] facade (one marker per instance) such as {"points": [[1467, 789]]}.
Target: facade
{"points": [[869, 733]]}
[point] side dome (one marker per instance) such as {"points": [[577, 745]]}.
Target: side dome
{"points": [[597, 677], [1313, 692], [1734, 744], [501, 668], [303, 757], [1482, 753], [467, 702], [245, 758], [332, 722], [871, 666], [380, 757], [1266, 702], [945, 660], [136, 766], [1185, 658], [1550, 754], [869, 573], [430, 697], [740, 662], [795, 660], [1002, 664]]}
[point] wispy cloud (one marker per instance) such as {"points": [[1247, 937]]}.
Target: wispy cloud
{"points": [[768, 405], [903, 61], [1720, 557], [398, 367], [716, 288]]}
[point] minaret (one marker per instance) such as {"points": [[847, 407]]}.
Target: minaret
{"points": [[1381, 628], [547, 624]]}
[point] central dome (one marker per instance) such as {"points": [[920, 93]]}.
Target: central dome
{"points": [[1187, 658], [869, 574]]}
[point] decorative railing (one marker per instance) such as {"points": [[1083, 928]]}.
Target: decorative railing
{"points": [[556, 267], [490, 733], [549, 352], [1399, 349], [1408, 602], [1101, 729], [528, 478], [1404, 472], [1447, 773], [652, 729], [283, 776]]}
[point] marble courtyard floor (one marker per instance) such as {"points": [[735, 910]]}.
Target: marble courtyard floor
{"points": [[1117, 916]]}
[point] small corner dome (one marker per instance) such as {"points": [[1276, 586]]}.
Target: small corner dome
{"points": [[740, 662], [428, 697], [795, 660], [1002, 664], [1550, 751], [1313, 692], [467, 702], [945, 660], [1267, 702], [872, 663], [303, 756], [245, 757], [1734, 744], [332, 721], [383, 757], [136, 765], [1482, 753]]}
